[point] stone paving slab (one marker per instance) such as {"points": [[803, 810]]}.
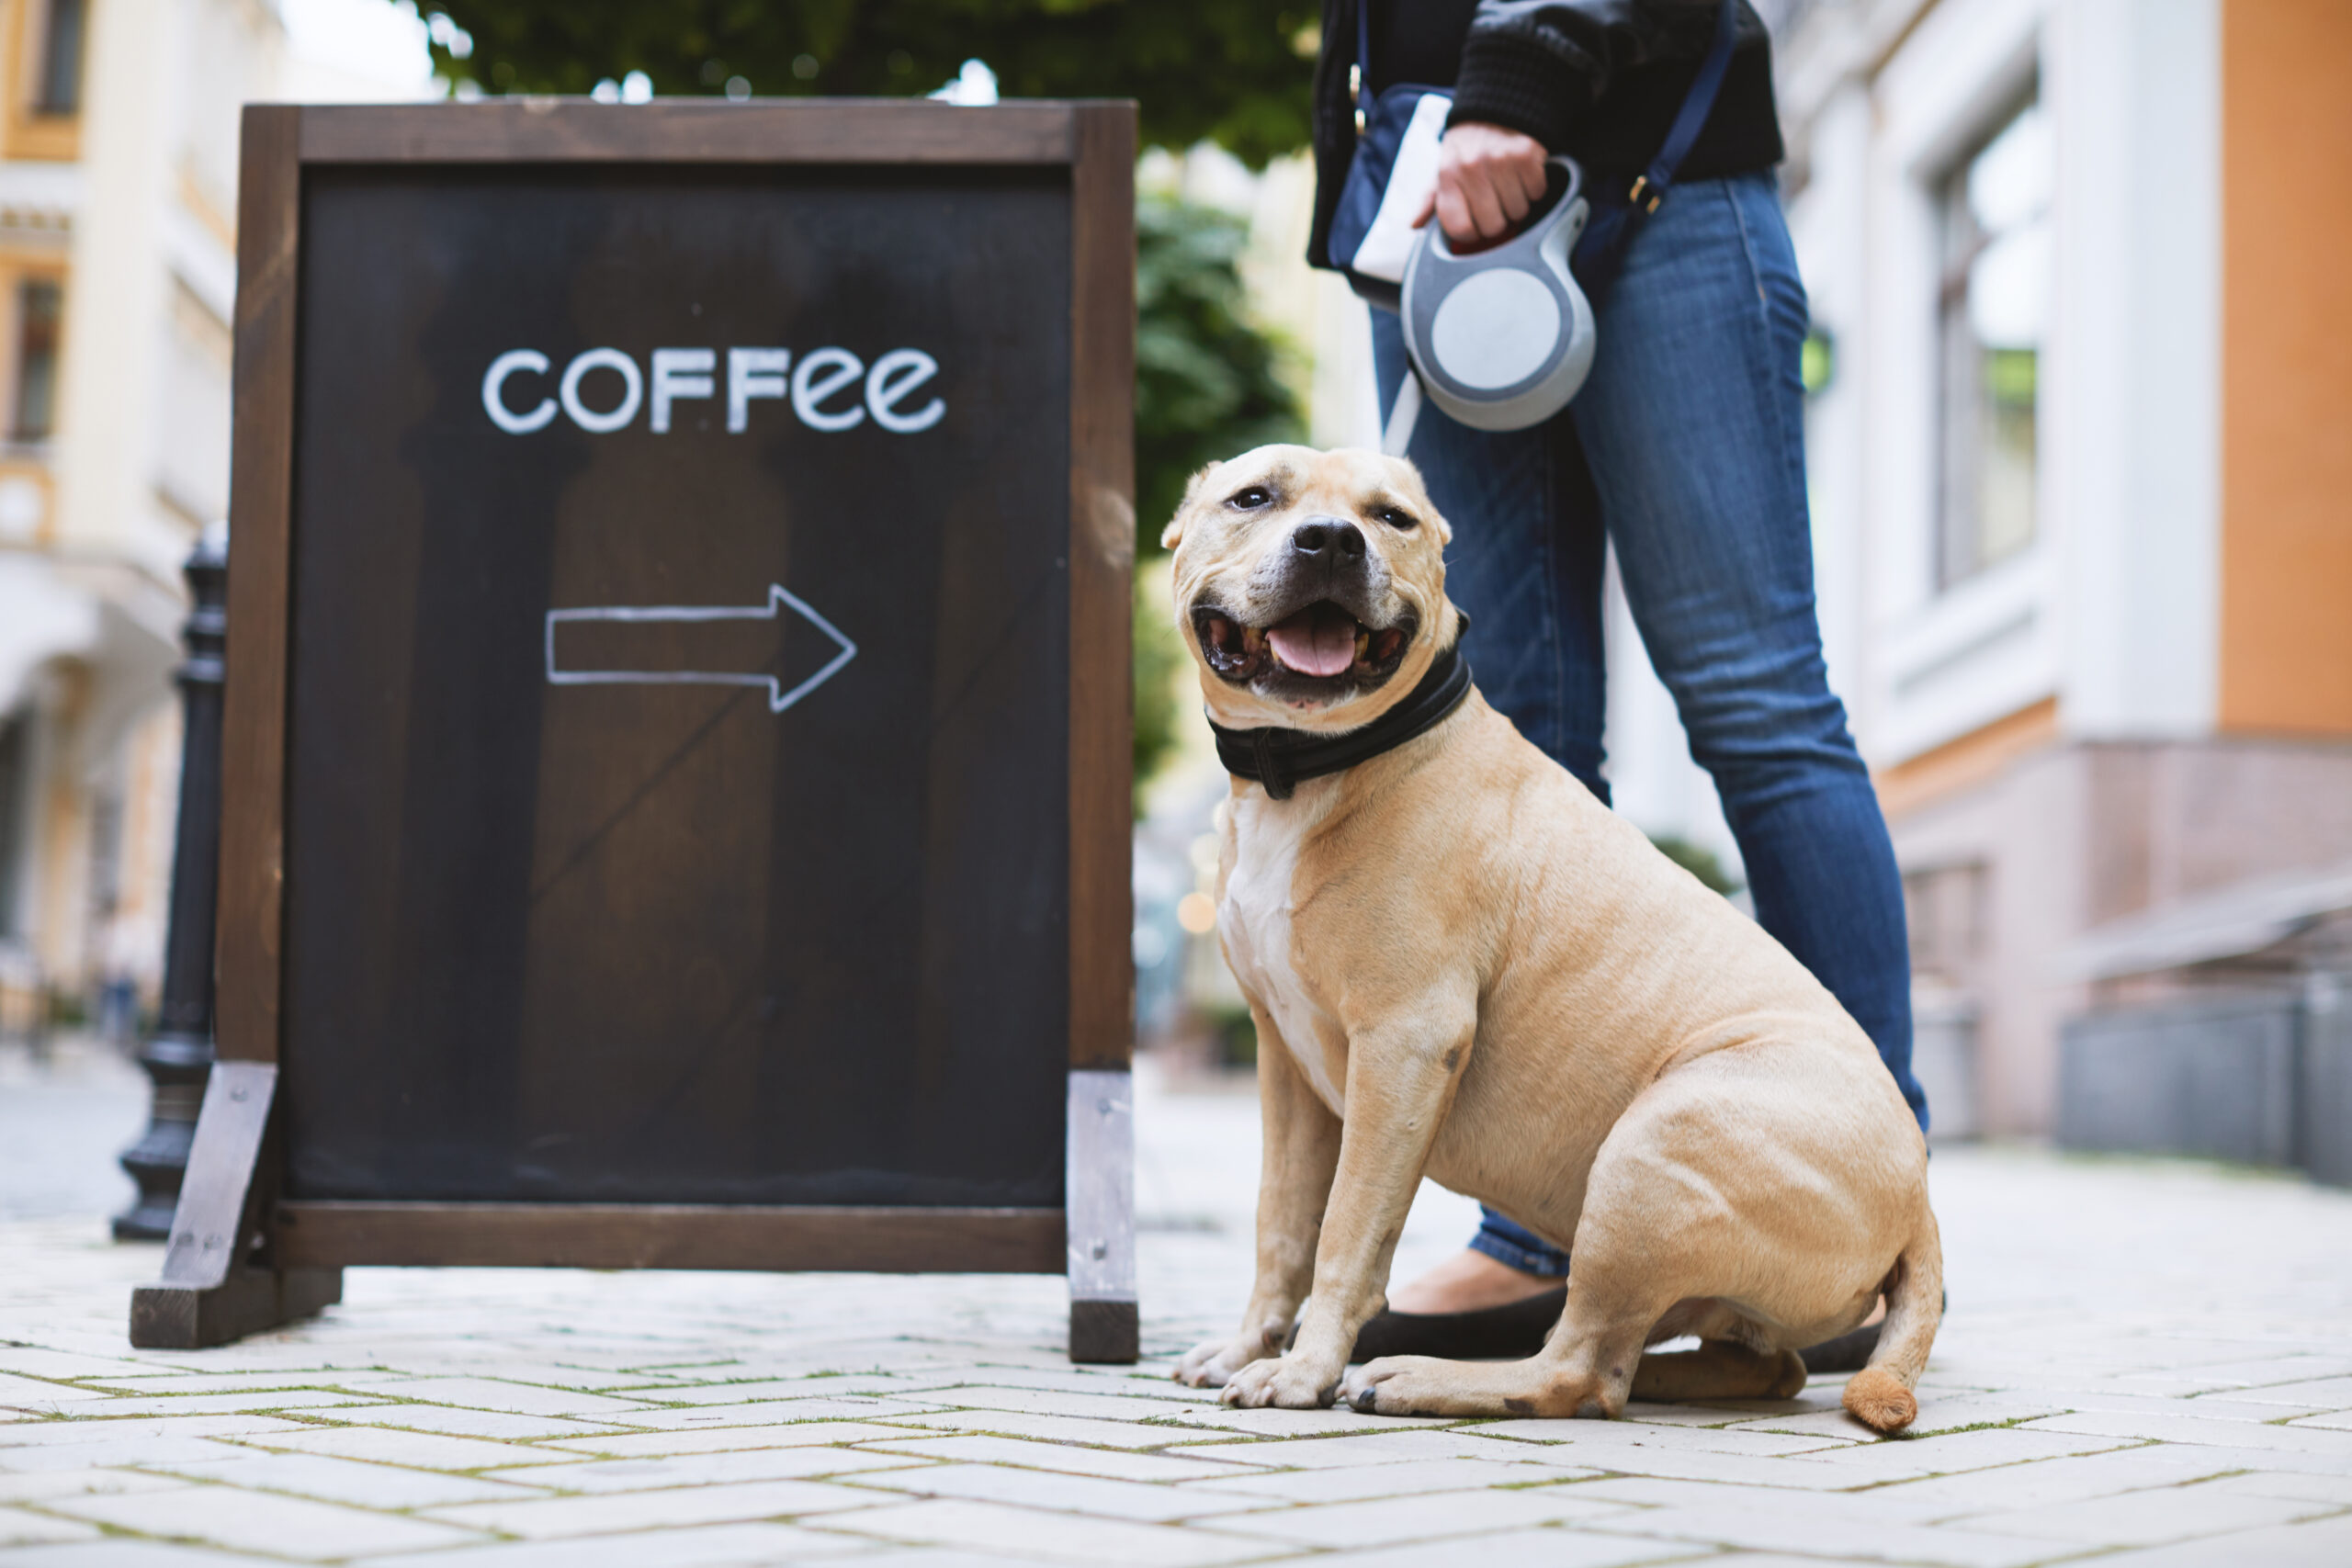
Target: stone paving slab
{"points": [[1036, 1535], [1543, 1549], [611, 1513], [709, 1546], [262, 1522], [723, 1440], [1071, 1459], [698, 1470], [2145, 1364]]}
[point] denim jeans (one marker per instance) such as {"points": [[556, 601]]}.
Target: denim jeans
{"points": [[1685, 449]]}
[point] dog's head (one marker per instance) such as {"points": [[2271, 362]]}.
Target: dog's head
{"points": [[1309, 585]]}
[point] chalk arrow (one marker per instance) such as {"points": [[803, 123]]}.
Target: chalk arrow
{"points": [[687, 645]]}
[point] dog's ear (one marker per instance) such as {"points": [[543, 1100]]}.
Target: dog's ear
{"points": [[1173, 534]]}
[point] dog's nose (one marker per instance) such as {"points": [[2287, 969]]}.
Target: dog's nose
{"points": [[1330, 538]]}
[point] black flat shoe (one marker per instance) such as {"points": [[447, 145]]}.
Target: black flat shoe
{"points": [[1512, 1331], [1516, 1330], [1849, 1352]]}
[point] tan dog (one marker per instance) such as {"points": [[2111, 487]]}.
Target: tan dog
{"points": [[1462, 964]]}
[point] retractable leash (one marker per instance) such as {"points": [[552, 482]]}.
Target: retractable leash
{"points": [[1503, 339]]}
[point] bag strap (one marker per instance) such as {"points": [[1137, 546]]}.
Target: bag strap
{"points": [[1650, 188], [1363, 63]]}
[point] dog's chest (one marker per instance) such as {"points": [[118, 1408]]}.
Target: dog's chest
{"points": [[1255, 920]]}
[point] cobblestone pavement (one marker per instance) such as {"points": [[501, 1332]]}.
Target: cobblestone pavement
{"points": [[2145, 1364]]}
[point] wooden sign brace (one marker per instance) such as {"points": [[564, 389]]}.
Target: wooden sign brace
{"points": [[243, 1255]]}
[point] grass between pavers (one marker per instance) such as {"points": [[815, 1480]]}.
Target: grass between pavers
{"points": [[417, 1511], [523, 1445], [1177, 1428]]}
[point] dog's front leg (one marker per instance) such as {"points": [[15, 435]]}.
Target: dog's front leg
{"points": [[1401, 1076], [1301, 1146]]}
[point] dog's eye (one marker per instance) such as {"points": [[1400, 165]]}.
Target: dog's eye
{"points": [[1396, 518], [1250, 499]]}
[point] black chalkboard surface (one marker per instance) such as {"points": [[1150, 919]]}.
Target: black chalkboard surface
{"points": [[677, 698], [647, 940]]}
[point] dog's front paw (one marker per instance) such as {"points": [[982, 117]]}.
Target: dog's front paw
{"points": [[1285, 1381], [1424, 1385], [1392, 1385], [1213, 1362]]}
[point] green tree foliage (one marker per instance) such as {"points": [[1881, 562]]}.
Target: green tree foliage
{"points": [[1234, 70], [1159, 657], [1207, 381], [1207, 385], [1696, 859]]}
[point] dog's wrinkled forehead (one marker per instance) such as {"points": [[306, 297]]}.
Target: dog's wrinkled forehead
{"points": [[1259, 490]]}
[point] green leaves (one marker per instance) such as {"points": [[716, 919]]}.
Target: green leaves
{"points": [[1207, 385], [1236, 71], [1207, 381]]}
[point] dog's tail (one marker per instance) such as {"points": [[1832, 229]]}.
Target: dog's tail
{"points": [[1880, 1395]]}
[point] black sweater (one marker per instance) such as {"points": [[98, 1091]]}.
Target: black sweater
{"points": [[1600, 79]]}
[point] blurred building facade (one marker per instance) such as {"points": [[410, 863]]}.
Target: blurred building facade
{"points": [[118, 123], [2082, 489]]}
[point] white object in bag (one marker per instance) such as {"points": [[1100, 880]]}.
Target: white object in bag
{"points": [[1389, 243]]}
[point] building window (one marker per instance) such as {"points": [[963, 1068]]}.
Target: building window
{"points": [[40, 308], [1993, 306], [61, 57]]}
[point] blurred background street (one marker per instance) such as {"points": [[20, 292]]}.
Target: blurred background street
{"points": [[64, 1117], [2073, 438], [2079, 376]]}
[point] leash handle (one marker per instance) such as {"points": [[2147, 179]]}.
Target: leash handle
{"points": [[1403, 415]]}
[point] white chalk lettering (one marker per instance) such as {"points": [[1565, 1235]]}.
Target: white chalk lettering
{"points": [[679, 373], [821, 387], [582, 414], [894, 376], [821, 374], [753, 373], [493, 400]]}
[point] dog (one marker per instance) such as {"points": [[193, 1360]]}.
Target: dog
{"points": [[1461, 964]]}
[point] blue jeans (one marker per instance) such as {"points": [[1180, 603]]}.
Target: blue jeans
{"points": [[1686, 448]]}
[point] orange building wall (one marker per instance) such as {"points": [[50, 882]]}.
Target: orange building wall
{"points": [[2285, 655]]}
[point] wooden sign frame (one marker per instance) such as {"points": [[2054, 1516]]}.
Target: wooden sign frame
{"points": [[241, 1257]]}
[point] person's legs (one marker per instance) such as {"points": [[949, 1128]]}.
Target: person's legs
{"points": [[1693, 423], [1525, 565]]}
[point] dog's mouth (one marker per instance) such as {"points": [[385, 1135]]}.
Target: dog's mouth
{"points": [[1320, 650]]}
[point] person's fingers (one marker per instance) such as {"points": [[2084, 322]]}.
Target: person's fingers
{"points": [[1515, 202], [1485, 206], [1534, 174], [1454, 213]]}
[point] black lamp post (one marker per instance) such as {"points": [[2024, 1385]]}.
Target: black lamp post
{"points": [[178, 1056]]}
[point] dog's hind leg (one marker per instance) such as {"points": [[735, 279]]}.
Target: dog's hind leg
{"points": [[1880, 1397], [1589, 1360]]}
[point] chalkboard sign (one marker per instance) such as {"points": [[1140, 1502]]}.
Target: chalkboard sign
{"points": [[677, 719]]}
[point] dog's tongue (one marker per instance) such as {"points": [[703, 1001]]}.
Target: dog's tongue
{"points": [[1319, 640]]}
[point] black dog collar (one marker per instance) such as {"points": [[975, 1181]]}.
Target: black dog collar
{"points": [[1279, 758]]}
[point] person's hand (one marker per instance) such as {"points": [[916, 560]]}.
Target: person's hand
{"points": [[1487, 179]]}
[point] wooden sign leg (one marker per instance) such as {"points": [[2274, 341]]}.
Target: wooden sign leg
{"points": [[1101, 1217], [213, 1288]]}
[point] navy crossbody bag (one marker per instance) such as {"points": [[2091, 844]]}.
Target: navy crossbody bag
{"points": [[1382, 124]]}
